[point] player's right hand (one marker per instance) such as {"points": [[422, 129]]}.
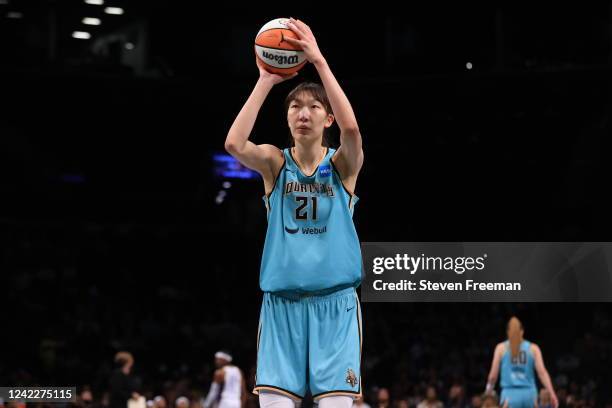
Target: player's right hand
{"points": [[268, 76], [554, 399]]}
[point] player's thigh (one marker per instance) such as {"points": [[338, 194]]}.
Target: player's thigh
{"points": [[269, 399], [518, 398], [281, 347], [334, 329], [337, 401]]}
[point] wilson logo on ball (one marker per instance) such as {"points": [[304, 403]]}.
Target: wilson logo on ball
{"points": [[281, 59]]}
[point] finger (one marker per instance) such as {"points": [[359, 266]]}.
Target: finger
{"points": [[302, 26], [293, 27], [294, 41]]}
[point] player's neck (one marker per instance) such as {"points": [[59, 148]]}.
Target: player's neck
{"points": [[308, 157]]}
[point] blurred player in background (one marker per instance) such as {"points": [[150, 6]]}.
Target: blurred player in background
{"points": [[518, 360], [228, 389]]}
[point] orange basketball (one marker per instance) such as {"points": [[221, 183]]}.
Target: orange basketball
{"points": [[277, 55]]}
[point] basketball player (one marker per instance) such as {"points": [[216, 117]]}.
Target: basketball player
{"points": [[309, 335], [228, 381], [518, 359]]}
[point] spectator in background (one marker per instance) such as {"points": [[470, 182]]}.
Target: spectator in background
{"points": [[456, 397], [402, 404], [489, 400], [431, 399], [382, 398], [544, 399], [181, 402], [160, 402], [122, 385], [476, 401], [85, 398]]}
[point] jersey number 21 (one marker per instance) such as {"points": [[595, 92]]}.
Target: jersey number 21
{"points": [[301, 212]]}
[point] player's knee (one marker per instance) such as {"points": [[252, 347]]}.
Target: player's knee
{"points": [[336, 401], [269, 399]]}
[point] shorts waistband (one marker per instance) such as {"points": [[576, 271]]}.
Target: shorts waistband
{"points": [[312, 296]]}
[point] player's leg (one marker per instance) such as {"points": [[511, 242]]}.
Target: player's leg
{"points": [[334, 341], [522, 398], [529, 397], [336, 401], [504, 397], [518, 397], [281, 348], [269, 399]]}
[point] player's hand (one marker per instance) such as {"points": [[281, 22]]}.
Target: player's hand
{"points": [[554, 399], [306, 40], [270, 77]]}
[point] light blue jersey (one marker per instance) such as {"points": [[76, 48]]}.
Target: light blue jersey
{"points": [[311, 244], [519, 371], [518, 377]]}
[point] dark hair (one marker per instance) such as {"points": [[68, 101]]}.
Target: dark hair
{"points": [[318, 92]]}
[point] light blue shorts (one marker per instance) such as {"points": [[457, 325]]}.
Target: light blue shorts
{"points": [[310, 342], [519, 397]]}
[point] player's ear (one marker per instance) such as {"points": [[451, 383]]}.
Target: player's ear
{"points": [[329, 121]]}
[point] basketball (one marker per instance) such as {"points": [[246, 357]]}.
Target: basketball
{"points": [[277, 55]]}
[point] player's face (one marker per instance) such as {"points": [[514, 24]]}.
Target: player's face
{"points": [[522, 333], [307, 118], [219, 362]]}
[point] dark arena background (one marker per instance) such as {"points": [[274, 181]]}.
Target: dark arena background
{"points": [[124, 228]]}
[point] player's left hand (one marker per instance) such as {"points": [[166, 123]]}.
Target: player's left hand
{"points": [[306, 40]]}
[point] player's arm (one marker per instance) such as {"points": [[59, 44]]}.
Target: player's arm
{"points": [[543, 373], [261, 158], [215, 388], [349, 157], [494, 371]]}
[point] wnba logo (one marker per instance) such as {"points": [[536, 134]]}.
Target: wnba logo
{"points": [[281, 59], [324, 171]]}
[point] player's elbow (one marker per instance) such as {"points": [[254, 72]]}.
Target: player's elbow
{"points": [[351, 130], [231, 146]]}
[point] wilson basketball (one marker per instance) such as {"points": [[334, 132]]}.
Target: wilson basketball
{"points": [[278, 56]]}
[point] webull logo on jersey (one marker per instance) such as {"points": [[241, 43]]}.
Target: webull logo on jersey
{"points": [[307, 230], [325, 171], [281, 59], [312, 188]]}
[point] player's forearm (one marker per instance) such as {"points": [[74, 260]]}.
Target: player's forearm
{"points": [[212, 396], [343, 111], [245, 121], [545, 379], [491, 381]]}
